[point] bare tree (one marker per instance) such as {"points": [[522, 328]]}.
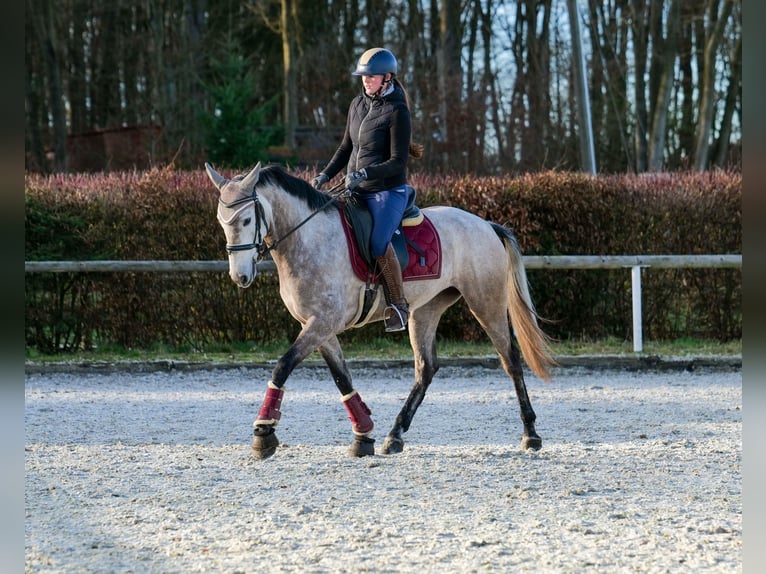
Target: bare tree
{"points": [[488, 79], [450, 70], [733, 97], [77, 69], [664, 53], [692, 12], [536, 140], [640, 39], [290, 79], [376, 18], [609, 25], [45, 30], [717, 22]]}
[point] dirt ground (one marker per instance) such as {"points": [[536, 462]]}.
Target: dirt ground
{"points": [[640, 471]]}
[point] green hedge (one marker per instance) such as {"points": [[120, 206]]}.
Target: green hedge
{"points": [[165, 214]]}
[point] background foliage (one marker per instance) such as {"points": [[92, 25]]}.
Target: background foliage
{"points": [[124, 83], [166, 214]]}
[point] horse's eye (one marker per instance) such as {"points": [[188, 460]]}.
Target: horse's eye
{"points": [[246, 222]]}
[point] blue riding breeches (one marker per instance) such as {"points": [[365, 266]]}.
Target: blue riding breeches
{"points": [[386, 208]]}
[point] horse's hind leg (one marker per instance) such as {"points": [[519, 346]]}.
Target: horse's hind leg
{"points": [[501, 334], [358, 413], [422, 329], [530, 439]]}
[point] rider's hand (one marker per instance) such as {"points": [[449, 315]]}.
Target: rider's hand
{"points": [[319, 181], [353, 179]]}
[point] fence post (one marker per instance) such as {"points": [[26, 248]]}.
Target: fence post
{"points": [[638, 335]]}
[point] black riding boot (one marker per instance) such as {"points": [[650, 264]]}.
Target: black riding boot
{"points": [[396, 314]]}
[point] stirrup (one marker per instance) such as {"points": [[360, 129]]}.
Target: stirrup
{"points": [[395, 319]]}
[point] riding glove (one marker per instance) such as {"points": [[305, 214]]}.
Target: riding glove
{"points": [[354, 178], [319, 181]]}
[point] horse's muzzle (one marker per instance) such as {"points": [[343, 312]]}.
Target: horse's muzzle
{"points": [[243, 281], [242, 275]]}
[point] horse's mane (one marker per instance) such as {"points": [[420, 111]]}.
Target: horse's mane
{"points": [[276, 175]]}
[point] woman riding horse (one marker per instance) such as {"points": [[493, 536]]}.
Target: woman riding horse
{"points": [[375, 149]]}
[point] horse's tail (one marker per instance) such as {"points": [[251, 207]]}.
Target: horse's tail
{"points": [[534, 343]]}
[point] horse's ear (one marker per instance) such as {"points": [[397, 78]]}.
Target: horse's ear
{"points": [[217, 179], [251, 178]]}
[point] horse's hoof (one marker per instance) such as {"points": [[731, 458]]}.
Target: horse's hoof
{"points": [[265, 445], [531, 442], [362, 446], [393, 445]]}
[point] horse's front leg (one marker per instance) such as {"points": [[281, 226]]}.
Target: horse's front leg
{"points": [[265, 440], [358, 413]]}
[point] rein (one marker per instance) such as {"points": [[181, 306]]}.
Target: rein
{"points": [[260, 245]]}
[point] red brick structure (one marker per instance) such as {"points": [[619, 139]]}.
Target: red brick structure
{"points": [[110, 149]]}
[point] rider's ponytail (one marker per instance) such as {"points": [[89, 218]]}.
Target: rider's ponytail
{"points": [[415, 149]]}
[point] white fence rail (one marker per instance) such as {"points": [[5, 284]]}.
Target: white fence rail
{"points": [[634, 262]]}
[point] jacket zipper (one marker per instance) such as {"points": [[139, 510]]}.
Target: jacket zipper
{"points": [[359, 134]]}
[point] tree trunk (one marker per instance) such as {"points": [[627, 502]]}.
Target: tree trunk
{"points": [[51, 50], [732, 98], [77, 89], [35, 159], [472, 134], [615, 47], [518, 116], [664, 84], [640, 40], [157, 74], [686, 83], [598, 84], [376, 19], [450, 81], [193, 61], [489, 81], [289, 80], [536, 142], [106, 97], [707, 101], [35, 154]]}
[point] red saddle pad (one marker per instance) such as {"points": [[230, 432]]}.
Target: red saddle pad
{"points": [[426, 264]]}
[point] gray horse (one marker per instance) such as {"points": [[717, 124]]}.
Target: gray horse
{"points": [[270, 211]]}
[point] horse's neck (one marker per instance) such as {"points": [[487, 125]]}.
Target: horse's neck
{"points": [[286, 215], [283, 212]]}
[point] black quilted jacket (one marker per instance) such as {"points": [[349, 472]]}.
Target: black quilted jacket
{"points": [[377, 138]]}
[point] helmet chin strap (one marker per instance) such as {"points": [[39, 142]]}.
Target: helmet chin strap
{"points": [[383, 87]]}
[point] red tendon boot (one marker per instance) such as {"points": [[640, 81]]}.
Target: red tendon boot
{"points": [[358, 413], [270, 413]]}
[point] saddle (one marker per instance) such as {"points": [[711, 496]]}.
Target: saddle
{"points": [[416, 241]]}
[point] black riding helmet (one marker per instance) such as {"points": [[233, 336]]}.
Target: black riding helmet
{"points": [[374, 62]]}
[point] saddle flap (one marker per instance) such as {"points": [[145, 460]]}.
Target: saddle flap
{"points": [[417, 246]]}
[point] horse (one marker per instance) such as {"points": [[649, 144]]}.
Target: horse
{"points": [[269, 211]]}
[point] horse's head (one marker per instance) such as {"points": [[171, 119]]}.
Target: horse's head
{"points": [[243, 218]]}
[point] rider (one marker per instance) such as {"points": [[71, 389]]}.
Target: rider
{"points": [[375, 149]]}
